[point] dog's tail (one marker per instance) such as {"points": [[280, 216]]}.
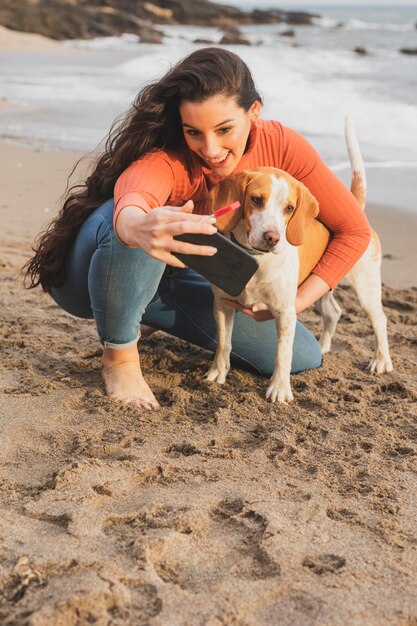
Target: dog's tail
{"points": [[358, 182]]}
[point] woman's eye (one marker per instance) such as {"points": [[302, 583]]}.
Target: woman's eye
{"points": [[257, 200], [193, 133], [224, 130]]}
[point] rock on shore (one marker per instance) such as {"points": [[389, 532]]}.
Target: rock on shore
{"points": [[84, 19]]}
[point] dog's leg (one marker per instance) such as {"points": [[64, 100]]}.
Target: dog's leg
{"points": [[365, 278], [330, 315], [280, 386], [220, 366]]}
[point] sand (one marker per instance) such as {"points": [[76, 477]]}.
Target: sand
{"points": [[220, 509], [11, 40]]}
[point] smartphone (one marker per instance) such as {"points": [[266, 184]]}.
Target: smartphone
{"points": [[230, 268]]}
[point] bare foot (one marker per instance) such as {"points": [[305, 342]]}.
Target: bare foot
{"points": [[123, 379]]}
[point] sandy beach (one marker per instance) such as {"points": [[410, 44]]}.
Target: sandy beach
{"points": [[220, 509]]}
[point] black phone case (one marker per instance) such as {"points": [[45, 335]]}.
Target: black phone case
{"points": [[230, 268]]}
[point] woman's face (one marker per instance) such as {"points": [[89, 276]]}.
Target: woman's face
{"points": [[217, 129]]}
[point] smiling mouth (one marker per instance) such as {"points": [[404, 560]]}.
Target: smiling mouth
{"points": [[218, 162]]}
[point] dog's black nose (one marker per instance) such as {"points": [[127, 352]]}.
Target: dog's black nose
{"points": [[271, 237]]}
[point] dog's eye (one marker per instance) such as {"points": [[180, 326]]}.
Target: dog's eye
{"points": [[257, 200], [290, 208]]}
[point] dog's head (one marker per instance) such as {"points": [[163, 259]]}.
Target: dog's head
{"points": [[274, 208]]}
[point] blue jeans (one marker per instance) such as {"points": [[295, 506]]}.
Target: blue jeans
{"points": [[121, 287]]}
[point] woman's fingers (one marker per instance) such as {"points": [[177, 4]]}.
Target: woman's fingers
{"points": [[187, 207], [259, 316], [179, 228], [155, 232], [167, 224], [173, 217], [236, 305], [169, 259], [164, 255], [171, 246], [183, 247], [164, 250]]}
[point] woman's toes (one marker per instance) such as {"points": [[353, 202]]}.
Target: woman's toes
{"points": [[125, 382]]}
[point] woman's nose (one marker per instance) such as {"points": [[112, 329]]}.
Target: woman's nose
{"points": [[211, 148]]}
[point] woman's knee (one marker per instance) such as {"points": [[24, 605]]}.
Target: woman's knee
{"points": [[255, 346], [306, 351]]}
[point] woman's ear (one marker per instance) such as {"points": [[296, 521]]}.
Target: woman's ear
{"points": [[255, 110], [306, 209]]}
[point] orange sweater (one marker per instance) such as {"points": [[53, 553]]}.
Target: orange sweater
{"points": [[168, 177]]}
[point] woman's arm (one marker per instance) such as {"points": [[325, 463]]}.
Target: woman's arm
{"points": [[312, 289], [143, 220], [339, 210]]}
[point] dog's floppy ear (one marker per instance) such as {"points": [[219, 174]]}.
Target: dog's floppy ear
{"points": [[306, 209], [227, 191]]}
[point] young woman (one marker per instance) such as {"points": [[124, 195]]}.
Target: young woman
{"points": [[109, 253]]}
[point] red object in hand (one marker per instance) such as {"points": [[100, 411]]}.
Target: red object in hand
{"points": [[230, 207]]}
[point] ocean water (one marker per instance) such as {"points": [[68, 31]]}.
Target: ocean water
{"points": [[309, 82]]}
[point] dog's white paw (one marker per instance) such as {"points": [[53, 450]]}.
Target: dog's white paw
{"points": [[280, 392], [380, 365], [217, 374], [325, 342], [324, 349]]}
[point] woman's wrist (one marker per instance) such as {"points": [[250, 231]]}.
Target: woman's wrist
{"points": [[127, 221], [311, 290]]}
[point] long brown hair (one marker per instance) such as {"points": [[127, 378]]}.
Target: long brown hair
{"points": [[152, 122]]}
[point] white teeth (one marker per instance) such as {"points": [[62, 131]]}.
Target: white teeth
{"points": [[218, 160]]}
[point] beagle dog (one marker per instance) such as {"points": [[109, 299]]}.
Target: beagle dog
{"points": [[276, 222]]}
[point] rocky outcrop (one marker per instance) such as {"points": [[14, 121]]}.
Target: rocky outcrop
{"points": [[83, 19], [408, 50], [61, 19], [233, 36], [287, 33]]}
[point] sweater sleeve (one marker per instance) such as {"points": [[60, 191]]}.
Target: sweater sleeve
{"points": [[339, 210], [147, 183]]}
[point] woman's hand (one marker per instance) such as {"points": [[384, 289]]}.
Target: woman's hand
{"points": [[311, 290], [154, 232], [259, 316]]}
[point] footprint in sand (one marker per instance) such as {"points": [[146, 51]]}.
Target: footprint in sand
{"points": [[324, 563], [200, 552]]}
